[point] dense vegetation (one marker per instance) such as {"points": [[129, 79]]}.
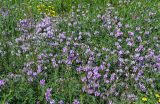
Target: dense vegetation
{"points": [[79, 52]]}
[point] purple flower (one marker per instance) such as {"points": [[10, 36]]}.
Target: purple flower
{"points": [[140, 48], [119, 24], [147, 33], [118, 33], [130, 43], [52, 101], [25, 47], [131, 97], [136, 79], [25, 25], [89, 90], [29, 72], [83, 79], [39, 67], [96, 75], [61, 102], [49, 34], [102, 67], [54, 63], [62, 35], [110, 102], [158, 58], [120, 52], [48, 94], [140, 73], [135, 69], [142, 87], [130, 33], [42, 82], [139, 39], [44, 26], [126, 26], [104, 18], [4, 13], [113, 77], [97, 93], [65, 49], [76, 101], [2, 83], [151, 53], [89, 75]]}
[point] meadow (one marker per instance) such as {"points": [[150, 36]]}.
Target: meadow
{"points": [[79, 52]]}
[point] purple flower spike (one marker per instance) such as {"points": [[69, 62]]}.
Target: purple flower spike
{"points": [[76, 101], [2, 83], [52, 102], [61, 102], [48, 94], [42, 82]]}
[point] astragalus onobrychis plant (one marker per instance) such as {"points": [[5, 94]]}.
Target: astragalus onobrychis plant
{"points": [[89, 56], [114, 59]]}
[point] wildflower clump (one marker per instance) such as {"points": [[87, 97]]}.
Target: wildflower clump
{"points": [[48, 10], [158, 97], [88, 56], [144, 99]]}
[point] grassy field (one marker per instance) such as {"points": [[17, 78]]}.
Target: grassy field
{"points": [[79, 52]]}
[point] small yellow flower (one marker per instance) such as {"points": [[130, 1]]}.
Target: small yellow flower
{"points": [[39, 9], [52, 11], [52, 15], [52, 8], [144, 99], [157, 95], [49, 6], [38, 6]]}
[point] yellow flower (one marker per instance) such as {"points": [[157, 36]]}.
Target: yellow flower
{"points": [[157, 95], [40, 7], [49, 6], [52, 8], [159, 100], [49, 10], [46, 9], [51, 13], [144, 99]]}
